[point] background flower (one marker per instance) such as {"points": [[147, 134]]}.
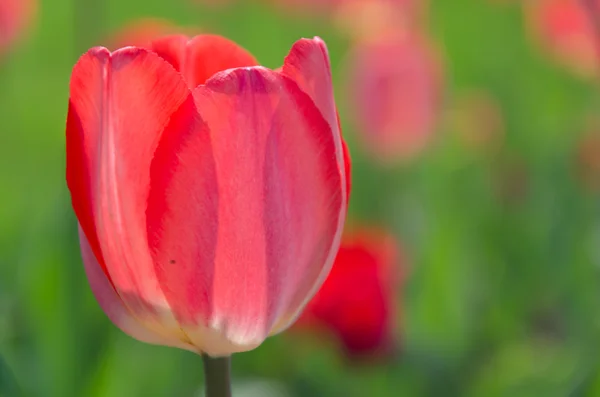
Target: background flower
{"points": [[567, 30], [394, 87], [15, 17], [358, 302]]}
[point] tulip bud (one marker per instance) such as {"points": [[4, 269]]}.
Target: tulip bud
{"points": [[211, 193]]}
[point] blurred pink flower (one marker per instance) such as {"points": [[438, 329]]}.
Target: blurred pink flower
{"points": [[394, 86], [358, 301], [335, 6], [15, 17], [364, 20], [566, 30]]}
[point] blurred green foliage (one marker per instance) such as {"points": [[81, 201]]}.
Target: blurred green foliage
{"points": [[502, 297]]}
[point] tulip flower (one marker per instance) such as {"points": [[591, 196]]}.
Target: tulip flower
{"points": [[394, 87], [566, 30], [357, 302], [210, 192], [15, 15]]}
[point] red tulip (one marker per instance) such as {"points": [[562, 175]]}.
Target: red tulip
{"points": [[15, 15], [565, 28], [357, 302], [394, 86], [210, 215]]}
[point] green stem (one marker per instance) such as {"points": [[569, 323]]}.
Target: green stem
{"points": [[217, 376]]}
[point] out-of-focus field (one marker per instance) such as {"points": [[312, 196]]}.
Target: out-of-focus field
{"points": [[500, 235]]}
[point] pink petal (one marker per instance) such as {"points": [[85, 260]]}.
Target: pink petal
{"points": [[347, 164], [119, 106], [279, 195], [183, 194], [308, 64], [201, 57], [182, 216], [113, 306]]}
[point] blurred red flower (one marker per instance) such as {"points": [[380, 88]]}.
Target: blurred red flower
{"points": [[394, 86], [358, 302], [15, 17], [565, 28]]}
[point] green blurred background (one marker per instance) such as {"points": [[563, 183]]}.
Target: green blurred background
{"points": [[502, 297]]}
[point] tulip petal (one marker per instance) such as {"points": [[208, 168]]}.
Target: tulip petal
{"points": [[308, 65], [182, 216], [113, 306], [199, 58], [347, 164], [119, 105], [281, 197], [278, 195]]}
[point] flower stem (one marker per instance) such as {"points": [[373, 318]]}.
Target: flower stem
{"points": [[217, 376]]}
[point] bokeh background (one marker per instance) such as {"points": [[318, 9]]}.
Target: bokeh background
{"points": [[472, 257]]}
